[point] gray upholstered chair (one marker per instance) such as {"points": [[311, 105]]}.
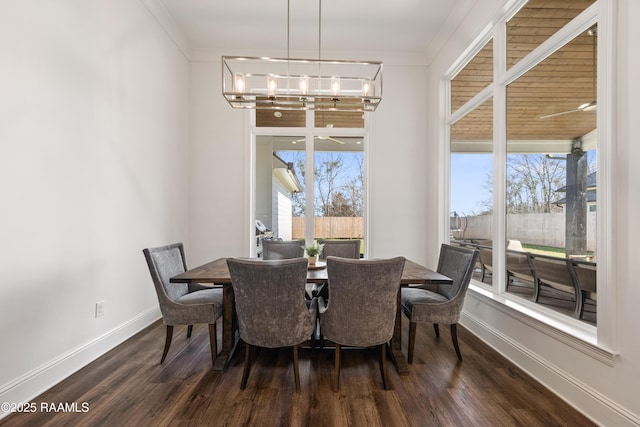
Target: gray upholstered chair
{"points": [[362, 309], [270, 306], [182, 303], [341, 248], [441, 303], [349, 248], [282, 249]]}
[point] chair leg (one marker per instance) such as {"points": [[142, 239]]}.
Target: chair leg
{"points": [[320, 335], [437, 329], [296, 371], [167, 342], [247, 366], [412, 340], [336, 369], [213, 341], [383, 366], [579, 310], [189, 330], [536, 291], [583, 300], [454, 338]]}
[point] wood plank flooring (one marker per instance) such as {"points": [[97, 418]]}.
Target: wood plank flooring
{"points": [[128, 387]]}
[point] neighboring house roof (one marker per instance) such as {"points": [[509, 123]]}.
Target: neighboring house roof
{"points": [[591, 198], [591, 183], [591, 190], [286, 174]]}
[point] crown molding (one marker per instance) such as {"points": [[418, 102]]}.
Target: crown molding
{"points": [[169, 25]]}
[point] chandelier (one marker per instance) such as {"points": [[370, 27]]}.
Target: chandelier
{"points": [[301, 84]]}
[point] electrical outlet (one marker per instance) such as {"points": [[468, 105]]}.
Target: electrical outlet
{"points": [[100, 308]]}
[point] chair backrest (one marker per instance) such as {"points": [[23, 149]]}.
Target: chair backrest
{"points": [[585, 273], [282, 249], [456, 263], [269, 297], [554, 272], [349, 248], [165, 262], [519, 265], [363, 300]]}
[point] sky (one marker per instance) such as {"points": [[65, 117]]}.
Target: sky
{"points": [[349, 158], [469, 176]]}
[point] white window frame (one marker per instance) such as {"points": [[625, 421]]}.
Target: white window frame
{"points": [[309, 132], [600, 342]]}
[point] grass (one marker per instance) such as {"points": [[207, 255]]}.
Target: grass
{"points": [[547, 250], [544, 250]]}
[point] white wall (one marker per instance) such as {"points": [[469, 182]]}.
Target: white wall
{"points": [[397, 196], [608, 394], [219, 216], [94, 156]]}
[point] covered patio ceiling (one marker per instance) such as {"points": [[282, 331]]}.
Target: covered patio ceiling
{"points": [[561, 83]]}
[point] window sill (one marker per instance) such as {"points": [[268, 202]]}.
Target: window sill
{"points": [[568, 330]]}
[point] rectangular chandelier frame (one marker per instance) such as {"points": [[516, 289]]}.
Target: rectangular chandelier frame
{"points": [[301, 84]]}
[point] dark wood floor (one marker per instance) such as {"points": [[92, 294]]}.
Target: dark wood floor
{"points": [[127, 386]]}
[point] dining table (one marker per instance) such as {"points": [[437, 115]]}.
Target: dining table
{"points": [[217, 273]]}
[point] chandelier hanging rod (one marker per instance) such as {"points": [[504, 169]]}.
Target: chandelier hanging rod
{"points": [[286, 83]]}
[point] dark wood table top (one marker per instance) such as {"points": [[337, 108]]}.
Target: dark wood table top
{"points": [[218, 272]]}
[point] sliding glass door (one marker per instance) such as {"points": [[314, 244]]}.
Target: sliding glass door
{"points": [[309, 176]]}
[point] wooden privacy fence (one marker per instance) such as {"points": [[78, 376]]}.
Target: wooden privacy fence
{"points": [[330, 227]]}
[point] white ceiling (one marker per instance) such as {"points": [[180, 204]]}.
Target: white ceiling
{"points": [[409, 26]]}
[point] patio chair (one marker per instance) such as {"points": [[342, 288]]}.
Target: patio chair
{"points": [[585, 275], [182, 303], [442, 303], [486, 260], [555, 277], [520, 271]]}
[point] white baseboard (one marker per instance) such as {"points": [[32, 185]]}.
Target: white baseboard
{"points": [[33, 383], [599, 408]]}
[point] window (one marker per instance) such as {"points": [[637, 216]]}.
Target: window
{"points": [[309, 175], [524, 181]]}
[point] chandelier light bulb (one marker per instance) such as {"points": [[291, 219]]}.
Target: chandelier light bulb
{"points": [[335, 85], [272, 85], [304, 85], [367, 88], [238, 82]]}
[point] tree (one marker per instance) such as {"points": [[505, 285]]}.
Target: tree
{"points": [[326, 176], [531, 183], [298, 200], [339, 185], [532, 180]]}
